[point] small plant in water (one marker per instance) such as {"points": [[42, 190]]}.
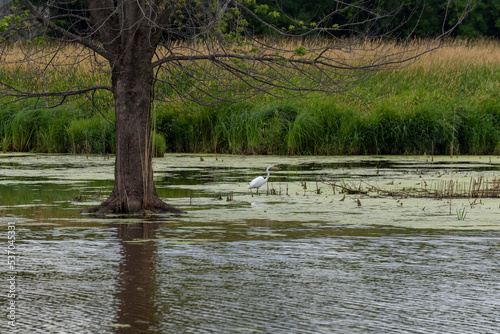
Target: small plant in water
{"points": [[318, 190], [461, 214]]}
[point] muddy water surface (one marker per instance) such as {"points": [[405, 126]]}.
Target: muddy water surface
{"points": [[300, 257]]}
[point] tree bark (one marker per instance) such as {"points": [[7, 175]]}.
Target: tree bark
{"points": [[134, 190]]}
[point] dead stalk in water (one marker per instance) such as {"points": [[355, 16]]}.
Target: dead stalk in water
{"points": [[479, 187]]}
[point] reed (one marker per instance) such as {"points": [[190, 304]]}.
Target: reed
{"points": [[91, 135], [451, 92], [475, 188], [478, 187], [42, 130]]}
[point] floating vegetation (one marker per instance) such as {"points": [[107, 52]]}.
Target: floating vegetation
{"points": [[84, 198], [478, 187], [403, 191], [461, 214], [349, 189]]}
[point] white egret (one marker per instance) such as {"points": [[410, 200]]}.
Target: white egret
{"points": [[259, 181]]}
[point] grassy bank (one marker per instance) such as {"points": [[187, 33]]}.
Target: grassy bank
{"points": [[323, 127], [452, 94]]}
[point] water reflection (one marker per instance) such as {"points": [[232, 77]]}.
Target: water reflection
{"points": [[136, 283]]}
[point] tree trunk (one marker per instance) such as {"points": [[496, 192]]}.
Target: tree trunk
{"points": [[134, 190]]}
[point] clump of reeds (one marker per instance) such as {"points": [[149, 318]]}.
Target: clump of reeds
{"points": [[478, 187], [448, 93], [41, 130]]}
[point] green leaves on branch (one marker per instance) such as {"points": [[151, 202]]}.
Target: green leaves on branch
{"points": [[264, 9], [261, 9], [300, 51], [274, 14], [12, 22]]}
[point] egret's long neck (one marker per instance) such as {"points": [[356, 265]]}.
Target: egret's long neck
{"points": [[268, 173]]}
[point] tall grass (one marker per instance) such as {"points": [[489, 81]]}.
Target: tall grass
{"points": [[91, 135], [452, 92], [323, 127], [41, 130]]}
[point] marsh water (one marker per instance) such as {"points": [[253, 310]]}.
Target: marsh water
{"points": [[302, 256]]}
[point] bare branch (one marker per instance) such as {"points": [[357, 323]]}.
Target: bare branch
{"points": [[13, 92], [46, 20], [208, 44]]}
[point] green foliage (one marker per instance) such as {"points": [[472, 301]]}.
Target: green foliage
{"points": [[10, 23], [6, 116], [422, 115], [54, 137], [318, 127], [300, 51], [41, 130], [91, 135], [160, 146], [186, 129], [261, 9], [417, 110], [461, 214], [418, 18], [409, 123], [480, 128]]}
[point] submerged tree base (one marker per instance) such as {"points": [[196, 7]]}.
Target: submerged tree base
{"points": [[117, 204]]}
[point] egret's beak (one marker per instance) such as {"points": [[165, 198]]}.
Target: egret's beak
{"points": [[276, 167]]}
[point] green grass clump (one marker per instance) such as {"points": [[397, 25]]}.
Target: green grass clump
{"points": [[160, 145], [325, 128], [480, 129], [91, 135], [253, 129], [40, 130], [184, 130]]}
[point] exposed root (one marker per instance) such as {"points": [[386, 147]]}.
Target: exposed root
{"points": [[116, 204]]}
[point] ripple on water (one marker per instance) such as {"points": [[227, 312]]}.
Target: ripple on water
{"points": [[368, 280], [66, 281], [388, 284]]}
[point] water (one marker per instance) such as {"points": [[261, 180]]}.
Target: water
{"points": [[297, 263]]}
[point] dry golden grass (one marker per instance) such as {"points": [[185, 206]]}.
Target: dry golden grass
{"points": [[454, 53], [61, 67], [50, 57], [484, 52]]}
